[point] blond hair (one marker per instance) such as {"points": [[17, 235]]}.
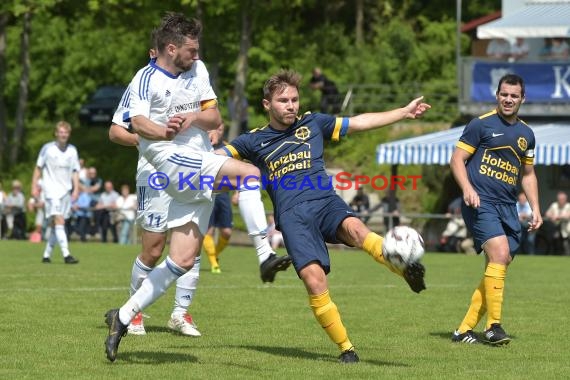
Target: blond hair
{"points": [[63, 124]]}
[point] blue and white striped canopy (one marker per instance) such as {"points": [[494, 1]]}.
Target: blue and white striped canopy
{"points": [[535, 20], [552, 147]]}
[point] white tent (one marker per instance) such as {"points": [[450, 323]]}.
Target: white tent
{"points": [[552, 147], [535, 20]]}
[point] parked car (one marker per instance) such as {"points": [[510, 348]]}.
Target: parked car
{"points": [[101, 106]]}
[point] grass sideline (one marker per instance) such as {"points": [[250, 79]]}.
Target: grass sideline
{"points": [[52, 320]]}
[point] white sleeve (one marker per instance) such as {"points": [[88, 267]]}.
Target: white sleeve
{"points": [[42, 156], [140, 96]]}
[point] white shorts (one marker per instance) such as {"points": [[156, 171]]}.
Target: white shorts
{"points": [[190, 173], [191, 176], [152, 210], [61, 206], [197, 212]]}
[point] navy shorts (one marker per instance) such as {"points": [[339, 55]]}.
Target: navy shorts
{"points": [[307, 226], [491, 220], [222, 214]]}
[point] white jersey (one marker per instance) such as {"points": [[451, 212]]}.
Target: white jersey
{"points": [[144, 168], [57, 168], [159, 95]]}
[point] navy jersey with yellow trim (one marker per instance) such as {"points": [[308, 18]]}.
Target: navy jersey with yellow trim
{"points": [[499, 151], [291, 161]]}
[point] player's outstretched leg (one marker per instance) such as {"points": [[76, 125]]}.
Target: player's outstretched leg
{"points": [[413, 273]]}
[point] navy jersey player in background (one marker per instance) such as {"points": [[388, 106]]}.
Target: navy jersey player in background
{"points": [[289, 154], [494, 153]]}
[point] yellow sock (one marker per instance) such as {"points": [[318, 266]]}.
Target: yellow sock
{"points": [[222, 243], [476, 310], [373, 246], [328, 317], [210, 248], [494, 286]]}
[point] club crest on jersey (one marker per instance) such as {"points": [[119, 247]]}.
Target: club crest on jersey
{"points": [[522, 143], [302, 133]]}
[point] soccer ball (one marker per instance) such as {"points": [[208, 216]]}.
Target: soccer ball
{"points": [[402, 246]]}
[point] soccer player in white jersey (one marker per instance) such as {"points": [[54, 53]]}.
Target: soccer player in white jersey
{"points": [[58, 167], [166, 124], [151, 217]]}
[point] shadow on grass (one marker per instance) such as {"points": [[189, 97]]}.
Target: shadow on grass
{"points": [[302, 354], [153, 357]]}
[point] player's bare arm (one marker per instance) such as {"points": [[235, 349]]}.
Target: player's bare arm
{"points": [[75, 181], [366, 121], [35, 178], [121, 136], [146, 128], [457, 165], [207, 119], [529, 185]]}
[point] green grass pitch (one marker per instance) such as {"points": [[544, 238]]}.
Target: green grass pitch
{"points": [[52, 324]]}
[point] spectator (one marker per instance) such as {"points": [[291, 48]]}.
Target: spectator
{"points": [[525, 215], [94, 186], [82, 213], [499, 48], [126, 206], [558, 216], [520, 49], [546, 47], [36, 206], [559, 50], [330, 97], [82, 171], [14, 207], [107, 205], [361, 205], [390, 205], [455, 231]]}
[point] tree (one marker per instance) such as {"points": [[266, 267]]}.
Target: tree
{"points": [[4, 16], [23, 88], [239, 96]]}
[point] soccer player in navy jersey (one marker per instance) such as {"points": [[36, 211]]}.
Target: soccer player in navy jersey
{"points": [[495, 153], [289, 153]]}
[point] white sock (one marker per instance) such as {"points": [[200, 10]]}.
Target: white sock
{"points": [[50, 244], [253, 214], [157, 282], [261, 244], [139, 272], [61, 237], [186, 288], [252, 210]]}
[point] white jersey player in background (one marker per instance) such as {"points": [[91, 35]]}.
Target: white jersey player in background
{"points": [[58, 168]]}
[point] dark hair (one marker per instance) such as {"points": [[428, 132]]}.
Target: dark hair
{"points": [[280, 80], [513, 80], [174, 29]]}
